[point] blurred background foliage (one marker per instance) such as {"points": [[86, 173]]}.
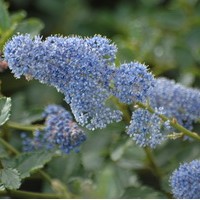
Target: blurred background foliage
{"points": [[163, 34]]}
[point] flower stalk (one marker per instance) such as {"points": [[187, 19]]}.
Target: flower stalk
{"points": [[172, 122]]}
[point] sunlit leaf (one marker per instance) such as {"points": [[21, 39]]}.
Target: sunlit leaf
{"points": [[5, 106]]}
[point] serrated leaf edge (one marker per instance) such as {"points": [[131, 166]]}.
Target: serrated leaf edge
{"points": [[2, 185]]}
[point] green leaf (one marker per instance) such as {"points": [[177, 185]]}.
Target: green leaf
{"points": [[2, 188], [131, 151], [108, 185], [99, 150], [32, 26], [142, 192], [83, 187], [18, 16], [118, 153], [72, 167], [5, 106], [95, 150], [26, 163], [4, 17], [3, 153], [10, 179]]}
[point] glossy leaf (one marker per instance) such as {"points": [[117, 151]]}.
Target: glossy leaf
{"points": [[5, 106]]}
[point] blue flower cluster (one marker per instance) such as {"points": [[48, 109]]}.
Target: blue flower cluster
{"points": [[83, 69], [75, 66], [60, 132], [147, 129], [185, 181], [179, 102], [133, 83]]}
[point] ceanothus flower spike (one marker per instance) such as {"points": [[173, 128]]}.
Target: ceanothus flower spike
{"points": [[185, 181], [178, 101], [60, 132], [83, 69], [80, 68], [147, 129]]}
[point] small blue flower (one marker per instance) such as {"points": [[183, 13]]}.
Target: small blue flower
{"points": [[185, 181], [147, 129], [179, 102], [132, 82], [60, 132]]}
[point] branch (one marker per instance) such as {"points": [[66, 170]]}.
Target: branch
{"points": [[30, 195], [24, 127], [172, 122]]}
